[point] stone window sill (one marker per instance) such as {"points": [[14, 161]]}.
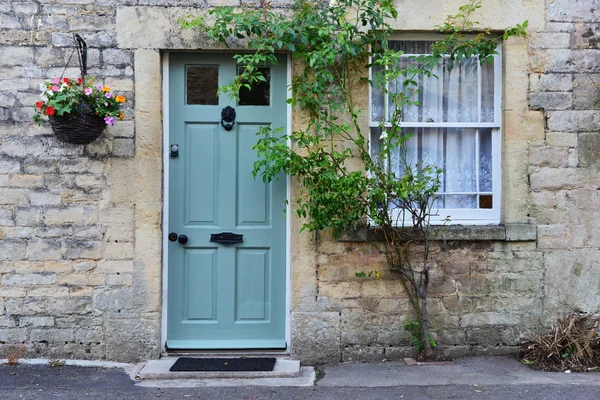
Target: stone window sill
{"points": [[490, 233]]}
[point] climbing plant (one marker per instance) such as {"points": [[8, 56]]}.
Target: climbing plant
{"points": [[344, 184]]}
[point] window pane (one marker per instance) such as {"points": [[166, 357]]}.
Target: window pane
{"points": [[376, 99], [487, 92], [449, 94], [485, 160], [455, 201], [465, 173], [260, 92], [202, 82]]}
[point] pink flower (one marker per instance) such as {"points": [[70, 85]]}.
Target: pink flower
{"points": [[87, 91], [109, 120], [99, 87], [56, 81], [55, 88], [108, 95]]}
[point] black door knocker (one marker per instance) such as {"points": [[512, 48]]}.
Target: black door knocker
{"points": [[228, 118]]}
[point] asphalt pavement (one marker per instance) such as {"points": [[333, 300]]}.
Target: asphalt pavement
{"points": [[469, 378]]}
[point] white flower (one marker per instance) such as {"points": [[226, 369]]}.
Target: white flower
{"points": [[43, 87], [49, 92], [383, 135], [332, 3], [44, 98]]}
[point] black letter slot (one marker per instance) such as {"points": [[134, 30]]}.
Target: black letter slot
{"points": [[226, 238]]}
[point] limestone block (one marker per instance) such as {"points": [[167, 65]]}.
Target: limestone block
{"points": [[148, 215], [316, 337], [13, 335], [16, 55], [382, 288], [114, 266], [586, 92], [56, 231], [550, 100], [119, 279], [118, 251], [81, 248], [571, 280], [561, 139], [569, 10], [89, 232], [81, 279], [28, 279], [520, 232], [488, 318], [13, 292], [95, 22], [52, 335], [114, 300], [363, 354], [135, 180], [44, 198], [123, 147], [44, 249], [14, 196], [566, 60], [36, 321], [83, 215], [12, 249], [562, 178], [122, 129], [587, 36], [589, 149], [17, 233], [558, 27], [119, 223], [340, 290], [132, 340], [552, 40]]}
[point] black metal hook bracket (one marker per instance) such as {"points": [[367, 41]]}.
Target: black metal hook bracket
{"points": [[82, 53]]}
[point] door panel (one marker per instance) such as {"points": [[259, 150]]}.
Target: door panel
{"points": [[223, 296]]}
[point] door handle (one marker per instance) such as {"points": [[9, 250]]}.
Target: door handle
{"points": [[183, 239]]}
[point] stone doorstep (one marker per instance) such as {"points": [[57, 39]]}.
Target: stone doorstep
{"points": [[159, 369]]}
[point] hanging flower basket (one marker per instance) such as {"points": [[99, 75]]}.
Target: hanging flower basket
{"points": [[77, 127], [78, 110]]}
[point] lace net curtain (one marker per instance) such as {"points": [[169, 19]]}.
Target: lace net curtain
{"points": [[458, 93]]}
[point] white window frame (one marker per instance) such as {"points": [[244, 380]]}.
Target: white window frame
{"points": [[461, 216]]}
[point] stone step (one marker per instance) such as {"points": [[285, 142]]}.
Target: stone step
{"points": [[159, 370]]}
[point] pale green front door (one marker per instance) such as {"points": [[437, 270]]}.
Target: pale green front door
{"points": [[223, 296]]}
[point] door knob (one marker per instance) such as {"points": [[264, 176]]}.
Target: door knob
{"points": [[182, 239]]}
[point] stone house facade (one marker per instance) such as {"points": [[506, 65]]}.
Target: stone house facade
{"points": [[83, 231]]}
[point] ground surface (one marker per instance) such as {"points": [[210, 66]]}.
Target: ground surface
{"points": [[345, 382]]}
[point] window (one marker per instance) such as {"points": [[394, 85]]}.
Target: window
{"points": [[456, 127]]}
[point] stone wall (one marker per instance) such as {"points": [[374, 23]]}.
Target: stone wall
{"points": [[80, 234], [80, 226], [490, 291]]}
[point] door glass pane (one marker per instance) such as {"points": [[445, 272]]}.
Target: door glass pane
{"points": [[202, 82], [260, 92]]}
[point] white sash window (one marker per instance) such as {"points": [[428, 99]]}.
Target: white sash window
{"points": [[455, 127]]}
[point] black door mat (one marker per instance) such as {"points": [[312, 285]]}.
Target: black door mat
{"points": [[187, 364]]}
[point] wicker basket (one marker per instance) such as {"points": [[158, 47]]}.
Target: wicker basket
{"points": [[77, 127]]}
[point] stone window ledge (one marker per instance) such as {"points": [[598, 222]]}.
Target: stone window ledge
{"points": [[493, 233]]}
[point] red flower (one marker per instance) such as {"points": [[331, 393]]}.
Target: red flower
{"points": [[66, 80], [50, 111], [79, 81], [39, 104]]}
